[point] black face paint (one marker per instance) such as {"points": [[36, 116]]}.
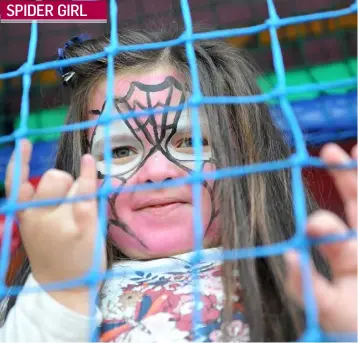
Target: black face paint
{"points": [[158, 135]]}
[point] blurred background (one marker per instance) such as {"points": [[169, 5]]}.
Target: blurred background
{"points": [[319, 51]]}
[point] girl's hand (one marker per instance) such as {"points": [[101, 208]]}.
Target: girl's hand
{"points": [[59, 240], [337, 300]]}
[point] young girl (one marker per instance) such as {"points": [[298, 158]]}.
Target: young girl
{"points": [[247, 299]]}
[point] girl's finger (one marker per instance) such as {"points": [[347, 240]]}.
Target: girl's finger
{"points": [[54, 184], [294, 279], [85, 212], [342, 256], [326, 295], [345, 180], [26, 192]]}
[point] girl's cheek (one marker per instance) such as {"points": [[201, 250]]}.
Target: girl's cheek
{"points": [[120, 199], [114, 184], [214, 202], [209, 167]]}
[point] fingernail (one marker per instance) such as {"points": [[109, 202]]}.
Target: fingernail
{"points": [[290, 257], [86, 159]]}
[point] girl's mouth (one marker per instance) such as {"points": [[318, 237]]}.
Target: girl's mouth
{"points": [[161, 208], [169, 204], [158, 202]]}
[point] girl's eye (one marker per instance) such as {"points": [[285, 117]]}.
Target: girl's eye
{"points": [[123, 152], [124, 155], [187, 142]]}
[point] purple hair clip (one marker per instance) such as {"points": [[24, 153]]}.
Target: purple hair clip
{"points": [[68, 72]]}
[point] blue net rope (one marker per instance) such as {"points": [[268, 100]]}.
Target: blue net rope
{"points": [[295, 162]]}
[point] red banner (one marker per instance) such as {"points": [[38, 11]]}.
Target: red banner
{"points": [[53, 11]]}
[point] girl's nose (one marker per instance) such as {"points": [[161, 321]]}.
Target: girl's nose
{"points": [[158, 168]]}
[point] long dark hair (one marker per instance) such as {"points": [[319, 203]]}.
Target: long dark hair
{"points": [[255, 209]]}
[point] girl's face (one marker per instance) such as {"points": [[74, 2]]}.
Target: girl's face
{"points": [[151, 149]]}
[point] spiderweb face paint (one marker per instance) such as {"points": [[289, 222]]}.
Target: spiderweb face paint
{"points": [[167, 138], [171, 134]]}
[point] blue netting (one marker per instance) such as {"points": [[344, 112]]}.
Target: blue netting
{"points": [[296, 162]]}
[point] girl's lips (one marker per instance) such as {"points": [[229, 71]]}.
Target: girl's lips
{"points": [[157, 201], [164, 208]]}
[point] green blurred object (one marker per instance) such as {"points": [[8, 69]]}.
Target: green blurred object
{"points": [[333, 72], [315, 74], [45, 119], [293, 78]]}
